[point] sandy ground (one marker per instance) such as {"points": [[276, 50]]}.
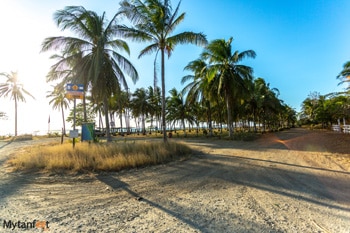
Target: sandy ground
{"points": [[291, 181]]}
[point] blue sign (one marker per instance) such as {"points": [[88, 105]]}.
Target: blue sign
{"points": [[75, 87], [87, 131]]}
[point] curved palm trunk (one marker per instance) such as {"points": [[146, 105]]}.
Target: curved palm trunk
{"points": [[163, 97]]}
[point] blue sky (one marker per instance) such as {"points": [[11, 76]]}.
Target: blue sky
{"points": [[300, 45]]}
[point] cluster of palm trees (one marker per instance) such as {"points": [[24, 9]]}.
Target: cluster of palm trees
{"points": [[221, 90], [94, 58], [330, 108], [325, 109]]}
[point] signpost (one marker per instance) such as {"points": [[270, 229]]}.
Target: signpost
{"points": [[74, 91]]}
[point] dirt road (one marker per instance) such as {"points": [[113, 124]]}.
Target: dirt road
{"points": [[292, 181]]}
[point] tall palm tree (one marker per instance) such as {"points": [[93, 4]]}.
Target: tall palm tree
{"points": [[94, 53], [155, 21], [224, 70], [13, 89], [59, 102], [199, 90]]}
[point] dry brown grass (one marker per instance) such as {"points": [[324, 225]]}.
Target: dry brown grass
{"points": [[98, 157]]}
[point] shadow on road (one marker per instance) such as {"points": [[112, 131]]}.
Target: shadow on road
{"points": [[177, 210], [117, 184]]}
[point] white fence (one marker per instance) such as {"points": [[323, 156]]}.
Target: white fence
{"points": [[343, 128]]}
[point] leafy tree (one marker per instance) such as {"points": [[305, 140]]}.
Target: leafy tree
{"points": [[13, 89], [155, 21], [309, 107], [79, 111], [94, 53]]}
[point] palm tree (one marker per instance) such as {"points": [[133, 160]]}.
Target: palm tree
{"points": [[155, 103], [93, 53], [13, 89], [59, 102], [309, 107], [154, 21], [63, 70], [178, 109], [140, 106], [224, 70], [199, 90]]}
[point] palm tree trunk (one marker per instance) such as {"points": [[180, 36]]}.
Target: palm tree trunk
{"points": [[229, 118], [184, 126], [105, 106], [15, 116], [127, 123], [100, 119], [143, 124], [64, 122], [163, 96], [210, 120], [121, 120], [84, 108]]}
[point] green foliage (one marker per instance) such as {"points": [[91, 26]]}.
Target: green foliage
{"points": [[325, 109], [80, 115]]}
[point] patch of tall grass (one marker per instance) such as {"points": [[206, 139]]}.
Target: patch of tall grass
{"points": [[98, 156]]}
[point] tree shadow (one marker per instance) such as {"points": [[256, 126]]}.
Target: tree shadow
{"points": [[177, 211], [6, 144], [118, 184], [4, 158], [282, 180], [12, 184]]}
